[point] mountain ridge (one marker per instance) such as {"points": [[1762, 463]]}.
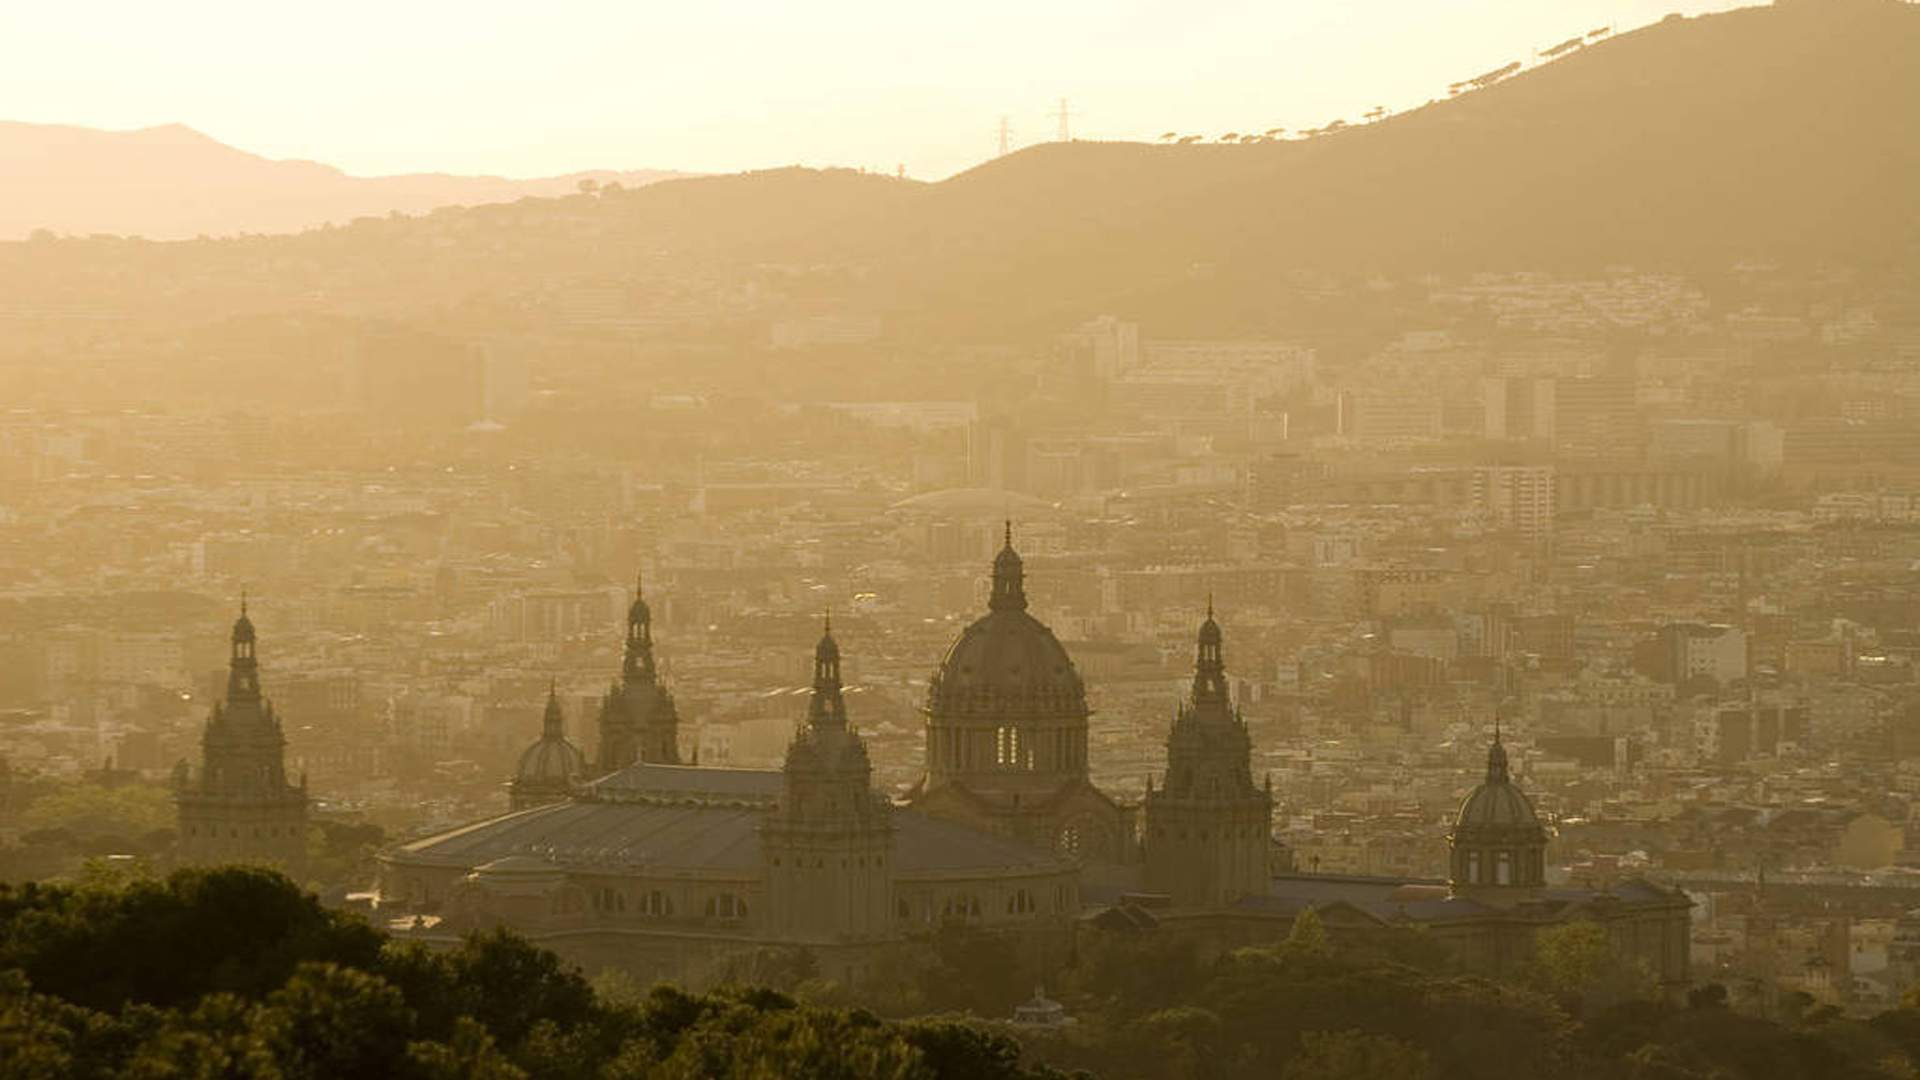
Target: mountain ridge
{"points": [[1784, 132], [172, 181]]}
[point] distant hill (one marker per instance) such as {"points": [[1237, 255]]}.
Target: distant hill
{"points": [[173, 182], [1789, 132]]}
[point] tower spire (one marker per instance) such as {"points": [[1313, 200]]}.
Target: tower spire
{"points": [[637, 664], [553, 725], [1009, 578], [827, 707], [1209, 661], [1497, 771], [243, 665]]}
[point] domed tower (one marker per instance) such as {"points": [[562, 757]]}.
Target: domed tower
{"points": [[240, 807], [1007, 732], [549, 767], [637, 717], [1497, 841], [1208, 827], [825, 847]]}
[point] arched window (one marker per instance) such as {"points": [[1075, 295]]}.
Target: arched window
{"points": [[961, 906], [1069, 840], [1503, 868], [656, 905], [902, 909], [726, 906], [1473, 868], [1021, 903]]}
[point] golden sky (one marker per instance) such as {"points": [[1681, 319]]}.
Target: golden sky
{"points": [[527, 89]]}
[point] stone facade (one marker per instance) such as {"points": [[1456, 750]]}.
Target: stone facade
{"points": [[1208, 831], [239, 806], [638, 720]]}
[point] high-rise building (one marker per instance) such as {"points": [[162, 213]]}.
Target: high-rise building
{"points": [[1517, 407], [1596, 416], [1517, 497], [239, 806], [1691, 651], [997, 453]]}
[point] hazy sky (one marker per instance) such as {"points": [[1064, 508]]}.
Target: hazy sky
{"points": [[525, 89]]}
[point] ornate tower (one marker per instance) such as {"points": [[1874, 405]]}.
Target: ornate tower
{"points": [[1208, 827], [1007, 732], [1498, 844], [826, 846], [240, 807], [550, 766], [637, 717]]}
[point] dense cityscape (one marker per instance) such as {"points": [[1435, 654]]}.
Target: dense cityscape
{"points": [[1667, 539], [1433, 596]]}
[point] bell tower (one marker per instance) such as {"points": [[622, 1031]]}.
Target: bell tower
{"points": [[1208, 827], [826, 846], [239, 807], [638, 721]]}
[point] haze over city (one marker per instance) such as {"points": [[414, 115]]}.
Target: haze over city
{"points": [[1372, 541]]}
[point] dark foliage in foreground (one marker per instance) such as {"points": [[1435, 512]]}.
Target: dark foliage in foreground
{"points": [[236, 973], [1152, 1009]]}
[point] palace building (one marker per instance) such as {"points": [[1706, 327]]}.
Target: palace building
{"points": [[671, 870], [239, 806]]}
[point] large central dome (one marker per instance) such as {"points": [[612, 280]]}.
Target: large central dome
{"points": [[1007, 663], [1007, 733]]}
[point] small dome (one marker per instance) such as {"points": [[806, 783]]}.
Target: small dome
{"points": [[550, 761], [1497, 806]]}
